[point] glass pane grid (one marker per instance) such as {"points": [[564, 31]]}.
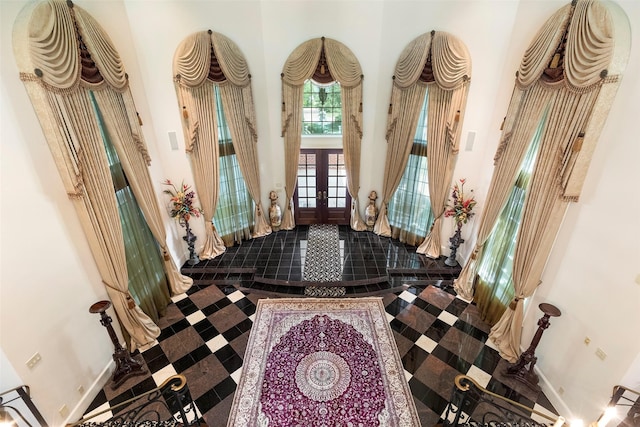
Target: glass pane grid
{"points": [[321, 109]]}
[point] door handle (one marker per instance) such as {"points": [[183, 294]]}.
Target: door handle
{"points": [[319, 195], [324, 195]]}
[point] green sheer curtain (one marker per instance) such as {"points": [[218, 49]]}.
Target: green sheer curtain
{"points": [[148, 283], [234, 214], [409, 209], [494, 280]]}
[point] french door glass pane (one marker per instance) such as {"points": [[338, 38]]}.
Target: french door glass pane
{"points": [[307, 180]]}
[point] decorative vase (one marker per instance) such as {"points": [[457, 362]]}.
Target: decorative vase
{"points": [[275, 214], [190, 238], [371, 211], [455, 241]]}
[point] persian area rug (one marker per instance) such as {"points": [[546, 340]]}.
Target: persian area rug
{"points": [[322, 261], [322, 363]]}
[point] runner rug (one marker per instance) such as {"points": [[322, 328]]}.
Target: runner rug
{"points": [[322, 363], [322, 260]]}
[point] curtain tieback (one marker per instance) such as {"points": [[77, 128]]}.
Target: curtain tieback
{"points": [[514, 303], [130, 301]]}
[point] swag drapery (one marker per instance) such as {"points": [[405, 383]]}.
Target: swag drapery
{"points": [[437, 62], [63, 55], [569, 72], [202, 60], [344, 67]]}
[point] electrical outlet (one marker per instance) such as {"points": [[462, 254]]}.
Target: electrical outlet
{"points": [[64, 411], [601, 354], [35, 359]]}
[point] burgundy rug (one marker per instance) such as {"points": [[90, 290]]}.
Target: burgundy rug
{"points": [[322, 363]]}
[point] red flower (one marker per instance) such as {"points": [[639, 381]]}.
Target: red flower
{"points": [[181, 202], [460, 209]]}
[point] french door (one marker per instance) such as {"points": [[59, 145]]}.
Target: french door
{"points": [[321, 195]]}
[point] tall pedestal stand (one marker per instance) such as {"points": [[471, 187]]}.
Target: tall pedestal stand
{"points": [[456, 240], [126, 366], [522, 370], [190, 238]]}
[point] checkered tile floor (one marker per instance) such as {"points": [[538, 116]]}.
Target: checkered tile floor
{"points": [[205, 333]]}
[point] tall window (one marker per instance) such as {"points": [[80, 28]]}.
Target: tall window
{"points": [[147, 279], [409, 209], [234, 213], [494, 286], [321, 109]]}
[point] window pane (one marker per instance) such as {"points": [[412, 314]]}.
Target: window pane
{"points": [[234, 212], [321, 109], [409, 209]]}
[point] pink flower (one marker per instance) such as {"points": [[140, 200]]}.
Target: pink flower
{"points": [[461, 207]]}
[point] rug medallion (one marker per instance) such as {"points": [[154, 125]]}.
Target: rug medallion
{"points": [[318, 362]]}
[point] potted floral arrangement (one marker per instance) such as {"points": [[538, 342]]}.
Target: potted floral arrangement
{"points": [[461, 210], [461, 207], [181, 208]]}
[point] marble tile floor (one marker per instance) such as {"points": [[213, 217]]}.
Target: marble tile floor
{"points": [[206, 330], [205, 333]]}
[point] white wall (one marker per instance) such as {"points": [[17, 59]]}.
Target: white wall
{"points": [[589, 277]]}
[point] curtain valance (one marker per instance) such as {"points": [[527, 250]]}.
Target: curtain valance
{"points": [[450, 60], [302, 62], [47, 46], [577, 40], [193, 56]]}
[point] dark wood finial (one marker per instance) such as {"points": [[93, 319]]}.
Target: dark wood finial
{"points": [[209, 32]]}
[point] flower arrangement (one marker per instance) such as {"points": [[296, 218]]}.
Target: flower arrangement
{"points": [[181, 201], [461, 207]]}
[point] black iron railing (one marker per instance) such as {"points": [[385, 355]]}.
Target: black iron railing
{"points": [[469, 398], [169, 405]]}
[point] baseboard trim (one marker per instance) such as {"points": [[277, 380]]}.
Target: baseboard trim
{"points": [[554, 397], [91, 393]]}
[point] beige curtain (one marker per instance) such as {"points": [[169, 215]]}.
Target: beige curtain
{"points": [[345, 68], [573, 83], [447, 59], [48, 55], [200, 126], [194, 87], [123, 126], [516, 136]]}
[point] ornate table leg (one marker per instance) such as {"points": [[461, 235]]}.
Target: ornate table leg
{"points": [[126, 366], [519, 370]]}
